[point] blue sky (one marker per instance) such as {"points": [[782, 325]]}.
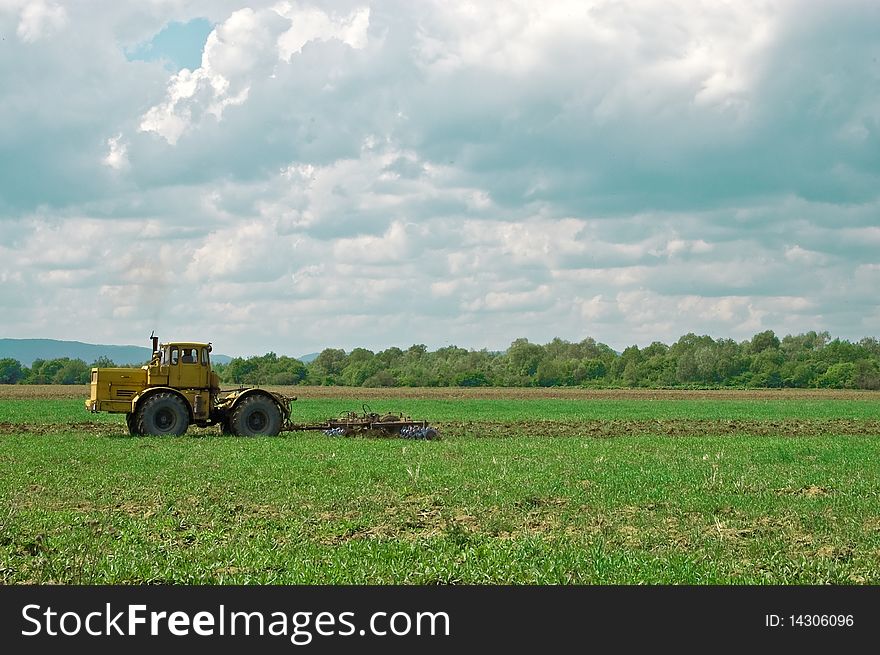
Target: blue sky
{"points": [[290, 176], [177, 45]]}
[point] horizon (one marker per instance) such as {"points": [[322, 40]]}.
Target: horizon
{"points": [[404, 347]]}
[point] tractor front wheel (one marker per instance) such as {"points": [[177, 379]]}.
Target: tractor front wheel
{"points": [[163, 414], [255, 416], [131, 422]]}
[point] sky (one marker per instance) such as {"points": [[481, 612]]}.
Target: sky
{"points": [[293, 176]]}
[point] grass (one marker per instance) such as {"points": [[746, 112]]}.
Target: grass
{"points": [[529, 509], [865, 406]]}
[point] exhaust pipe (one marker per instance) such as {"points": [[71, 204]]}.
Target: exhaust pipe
{"points": [[155, 341]]}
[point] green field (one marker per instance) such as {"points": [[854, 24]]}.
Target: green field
{"points": [[727, 489], [862, 406]]}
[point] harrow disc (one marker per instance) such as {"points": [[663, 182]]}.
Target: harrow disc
{"points": [[418, 432], [406, 432]]}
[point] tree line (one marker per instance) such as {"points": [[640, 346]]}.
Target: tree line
{"points": [[49, 371], [810, 360]]}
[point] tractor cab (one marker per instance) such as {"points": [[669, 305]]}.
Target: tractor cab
{"points": [[182, 366]]}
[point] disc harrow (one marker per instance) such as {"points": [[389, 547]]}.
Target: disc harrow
{"points": [[372, 424]]}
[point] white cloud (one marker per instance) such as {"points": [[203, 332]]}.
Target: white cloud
{"points": [[799, 255], [40, 20], [594, 308], [391, 247], [117, 153], [245, 48], [311, 24], [513, 301]]}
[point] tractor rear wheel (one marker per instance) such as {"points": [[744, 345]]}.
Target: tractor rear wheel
{"points": [[163, 414], [255, 416]]}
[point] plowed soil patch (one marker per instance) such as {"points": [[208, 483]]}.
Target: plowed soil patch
{"points": [[96, 429], [672, 428], [593, 428]]}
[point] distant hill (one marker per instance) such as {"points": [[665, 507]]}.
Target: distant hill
{"points": [[27, 350], [305, 359]]}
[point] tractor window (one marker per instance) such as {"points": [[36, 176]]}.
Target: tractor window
{"points": [[204, 356], [174, 355], [189, 356]]}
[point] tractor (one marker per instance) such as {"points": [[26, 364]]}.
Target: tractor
{"points": [[177, 388]]}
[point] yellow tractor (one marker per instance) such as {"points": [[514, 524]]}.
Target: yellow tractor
{"points": [[178, 389]]}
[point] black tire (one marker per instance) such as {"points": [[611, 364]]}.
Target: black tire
{"points": [[131, 422], [255, 416], [163, 414]]}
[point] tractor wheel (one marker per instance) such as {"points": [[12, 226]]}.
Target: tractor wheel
{"points": [[255, 416], [131, 422], [163, 414]]}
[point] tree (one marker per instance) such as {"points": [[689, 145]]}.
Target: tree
{"points": [[839, 376], [552, 373], [798, 374], [10, 371], [766, 368], [871, 346], [590, 369], [390, 356], [327, 367], [44, 371], [285, 371], [355, 374], [473, 379], [71, 371], [238, 369], [524, 357], [842, 351], [630, 374], [686, 370], [731, 361], [764, 340], [380, 379], [867, 374], [631, 355], [803, 345]]}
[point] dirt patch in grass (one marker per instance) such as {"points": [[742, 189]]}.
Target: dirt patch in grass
{"points": [[597, 429], [812, 491], [605, 429], [87, 427]]}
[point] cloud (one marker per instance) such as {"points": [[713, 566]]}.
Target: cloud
{"points": [[311, 24], [247, 45], [40, 20], [383, 173], [117, 157]]}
